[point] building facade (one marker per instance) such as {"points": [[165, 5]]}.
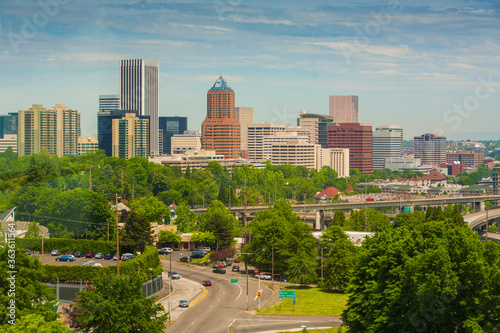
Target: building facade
{"points": [[170, 126], [467, 158], [295, 153], [109, 103], [8, 124], [344, 109], [279, 137], [221, 131], [130, 136], [139, 91], [358, 139], [56, 129], [335, 158], [256, 133], [318, 125], [9, 140], [430, 148], [245, 117], [182, 143], [387, 144], [86, 145]]}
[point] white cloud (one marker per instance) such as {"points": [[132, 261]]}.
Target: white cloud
{"points": [[258, 20]]}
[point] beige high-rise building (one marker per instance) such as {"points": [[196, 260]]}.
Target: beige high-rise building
{"points": [[130, 136], [256, 134], [56, 130], [181, 143], [335, 158], [9, 140], [86, 145], [245, 117], [344, 109], [280, 137]]}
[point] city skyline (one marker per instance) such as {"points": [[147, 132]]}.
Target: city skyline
{"points": [[425, 67]]}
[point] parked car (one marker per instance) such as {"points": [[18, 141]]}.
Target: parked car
{"points": [[165, 250], [115, 257], [99, 255], [219, 270], [236, 268], [127, 256], [91, 263], [183, 303], [55, 253], [236, 260], [197, 255], [89, 254], [175, 275], [216, 265], [206, 249], [226, 263], [108, 256], [66, 258], [207, 283], [28, 251], [71, 253], [186, 259], [79, 254]]}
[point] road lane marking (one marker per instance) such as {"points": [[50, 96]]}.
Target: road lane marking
{"points": [[232, 322], [202, 296], [241, 290]]}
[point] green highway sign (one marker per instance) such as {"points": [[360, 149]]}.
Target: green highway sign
{"points": [[287, 294], [234, 280]]}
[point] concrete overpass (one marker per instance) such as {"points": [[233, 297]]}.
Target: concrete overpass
{"points": [[478, 220], [440, 201]]}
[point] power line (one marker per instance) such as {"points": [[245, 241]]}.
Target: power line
{"points": [[59, 219]]}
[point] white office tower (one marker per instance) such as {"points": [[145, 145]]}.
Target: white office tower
{"points": [[387, 144], [139, 91]]}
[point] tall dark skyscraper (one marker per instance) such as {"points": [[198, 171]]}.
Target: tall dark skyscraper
{"points": [[8, 124], [170, 126], [139, 91]]}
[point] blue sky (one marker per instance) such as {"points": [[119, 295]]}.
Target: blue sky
{"points": [[429, 66]]}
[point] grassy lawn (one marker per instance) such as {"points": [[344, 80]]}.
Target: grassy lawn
{"points": [[310, 301]]}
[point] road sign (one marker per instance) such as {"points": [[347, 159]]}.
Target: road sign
{"points": [[287, 294], [279, 300], [234, 280], [294, 301], [259, 294], [256, 271]]}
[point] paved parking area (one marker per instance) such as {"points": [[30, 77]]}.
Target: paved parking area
{"points": [[48, 259]]}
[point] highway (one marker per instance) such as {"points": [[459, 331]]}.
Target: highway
{"points": [[223, 305]]}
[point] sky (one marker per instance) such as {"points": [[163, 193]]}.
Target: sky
{"points": [[428, 66]]}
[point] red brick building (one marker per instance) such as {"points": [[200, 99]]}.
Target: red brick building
{"points": [[467, 158], [221, 131], [356, 137]]}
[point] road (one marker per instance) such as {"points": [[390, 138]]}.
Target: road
{"points": [[223, 304]]}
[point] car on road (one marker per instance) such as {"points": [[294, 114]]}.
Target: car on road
{"points": [[89, 254], [216, 265], [236, 268], [183, 303], [79, 254], [207, 283], [165, 250], [108, 256], [226, 263], [99, 255], [66, 258], [175, 275], [186, 259], [55, 253], [219, 270]]}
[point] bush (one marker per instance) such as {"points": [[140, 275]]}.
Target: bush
{"points": [[66, 245]]}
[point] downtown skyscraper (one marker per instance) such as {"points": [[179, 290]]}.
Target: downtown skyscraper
{"points": [[221, 131], [139, 91], [344, 109]]}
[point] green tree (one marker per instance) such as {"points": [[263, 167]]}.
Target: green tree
{"points": [[420, 280], [301, 268], [31, 295], [169, 236], [117, 304], [149, 207], [137, 233], [408, 220], [34, 323], [203, 237], [339, 218], [185, 218], [219, 221], [338, 257], [59, 231], [33, 231]]}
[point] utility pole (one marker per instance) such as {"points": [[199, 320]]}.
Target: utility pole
{"points": [[245, 213], [90, 179], [272, 269], [229, 193], [117, 240], [274, 188]]}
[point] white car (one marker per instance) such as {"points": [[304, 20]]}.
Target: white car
{"points": [[55, 253], [92, 263], [264, 276]]}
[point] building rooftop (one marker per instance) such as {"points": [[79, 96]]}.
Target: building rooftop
{"points": [[220, 84]]}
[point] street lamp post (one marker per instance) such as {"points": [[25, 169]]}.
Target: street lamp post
{"points": [[322, 262], [246, 269]]}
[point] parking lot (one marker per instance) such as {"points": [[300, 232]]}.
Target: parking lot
{"points": [[51, 260]]}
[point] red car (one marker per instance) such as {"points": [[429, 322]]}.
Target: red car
{"points": [[207, 283], [89, 254]]}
